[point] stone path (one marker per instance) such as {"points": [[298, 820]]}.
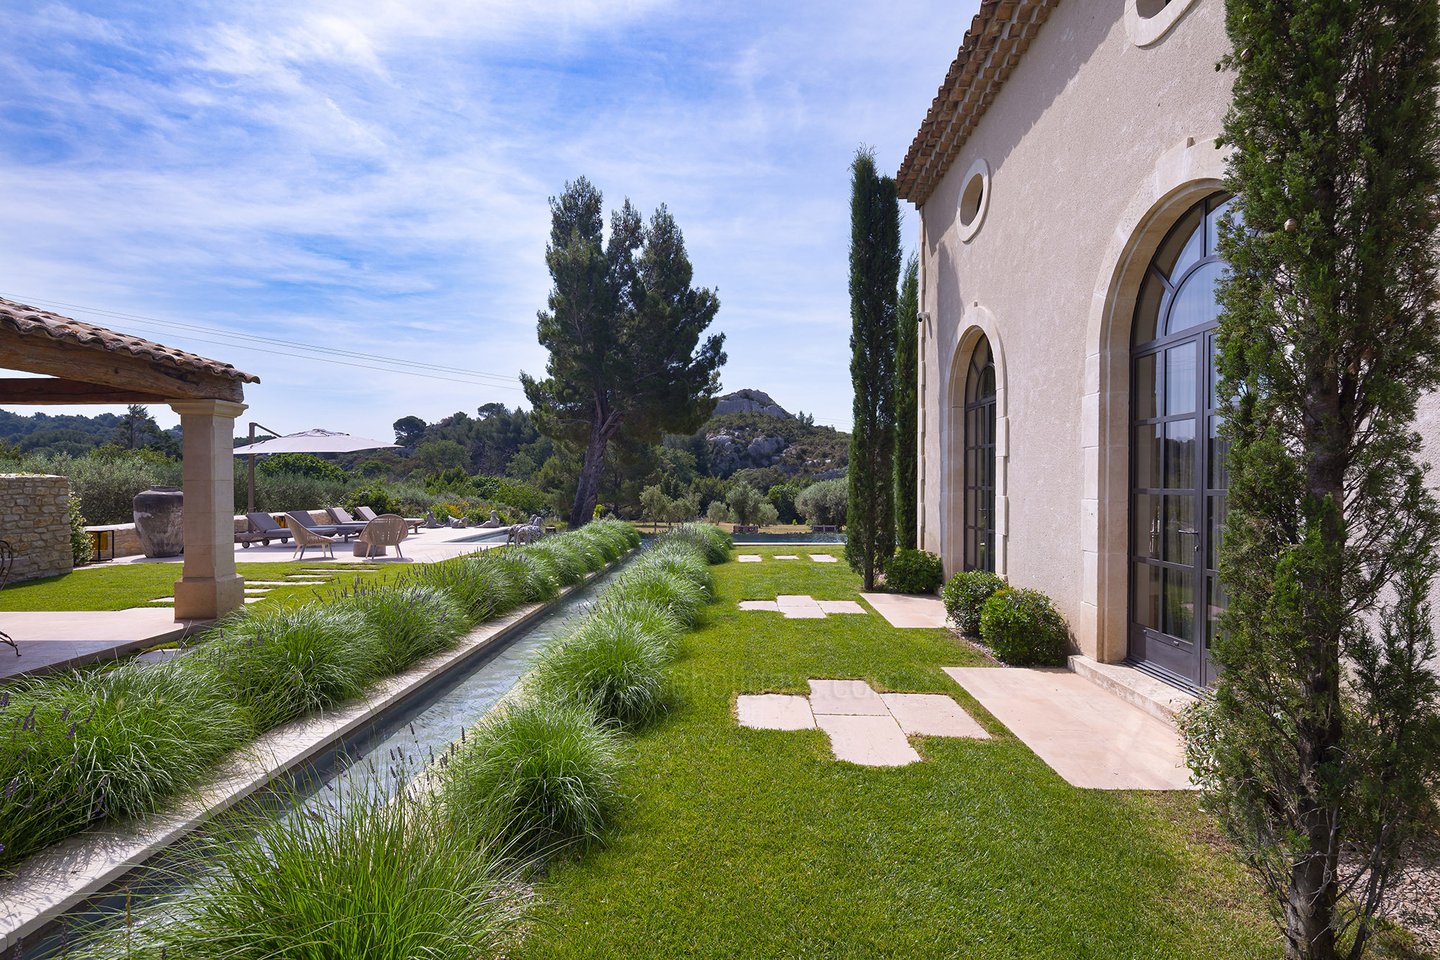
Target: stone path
{"points": [[801, 607], [864, 727], [757, 558], [1087, 735], [908, 612]]}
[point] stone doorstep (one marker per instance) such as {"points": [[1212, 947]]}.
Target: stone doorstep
{"points": [[1155, 697], [54, 880]]}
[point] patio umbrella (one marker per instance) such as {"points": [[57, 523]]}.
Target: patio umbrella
{"points": [[308, 441]]}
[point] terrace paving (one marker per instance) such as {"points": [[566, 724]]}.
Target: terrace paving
{"points": [[54, 641]]}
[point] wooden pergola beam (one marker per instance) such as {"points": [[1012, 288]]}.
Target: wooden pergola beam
{"points": [[26, 391], [66, 360]]}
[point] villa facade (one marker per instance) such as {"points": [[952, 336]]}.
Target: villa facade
{"points": [[1069, 181]]}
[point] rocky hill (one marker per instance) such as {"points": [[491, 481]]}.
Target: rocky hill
{"points": [[764, 449], [750, 401]]}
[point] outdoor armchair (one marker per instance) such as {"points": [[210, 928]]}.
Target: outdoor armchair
{"points": [[367, 514], [384, 531], [307, 536]]}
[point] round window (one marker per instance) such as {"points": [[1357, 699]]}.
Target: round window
{"points": [[974, 199]]}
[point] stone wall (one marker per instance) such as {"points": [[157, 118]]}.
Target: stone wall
{"points": [[35, 519]]}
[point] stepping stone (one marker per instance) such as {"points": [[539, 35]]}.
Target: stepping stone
{"points": [[255, 591], [799, 607], [932, 715], [253, 599], [867, 740], [163, 600], [768, 605], [272, 583], [840, 606], [786, 556], [823, 557], [846, 698], [908, 612], [749, 558], [774, 711]]}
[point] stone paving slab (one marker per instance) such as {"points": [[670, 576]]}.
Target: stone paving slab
{"points": [[786, 556], [769, 606], [846, 698], [61, 640], [748, 558], [774, 711], [799, 607], [932, 715], [823, 558], [908, 612], [840, 606], [868, 740], [1087, 735]]}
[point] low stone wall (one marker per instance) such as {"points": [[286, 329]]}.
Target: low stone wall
{"points": [[35, 520], [127, 541]]}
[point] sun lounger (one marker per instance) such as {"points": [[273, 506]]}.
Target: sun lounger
{"points": [[263, 529], [306, 536], [346, 530], [386, 530], [367, 514]]}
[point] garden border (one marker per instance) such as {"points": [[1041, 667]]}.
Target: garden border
{"points": [[53, 881]]}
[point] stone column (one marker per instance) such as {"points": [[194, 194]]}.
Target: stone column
{"points": [[210, 587]]}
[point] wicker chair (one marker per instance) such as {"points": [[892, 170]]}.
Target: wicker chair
{"points": [[305, 537], [7, 560], [386, 530]]}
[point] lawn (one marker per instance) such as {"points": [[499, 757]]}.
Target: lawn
{"points": [[117, 587], [759, 844]]}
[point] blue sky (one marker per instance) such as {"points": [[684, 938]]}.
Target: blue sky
{"points": [[372, 175]]}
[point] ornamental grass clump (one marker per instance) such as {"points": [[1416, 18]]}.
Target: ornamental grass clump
{"points": [[713, 542], [664, 588], [104, 743], [481, 591], [286, 662], [607, 664], [410, 620], [1023, 628], [532, 572], [567, 562], [654, 619], [966, 593], [533, 778], [371, 876], [683, 560]]}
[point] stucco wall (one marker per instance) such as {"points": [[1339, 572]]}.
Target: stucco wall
{"points": [[1075, 140], [35, 520]]}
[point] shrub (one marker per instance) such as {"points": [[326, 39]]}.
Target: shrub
{"points": [[607, 664], [966, 593], [825, 502], [375, 877], [105, 742], [79, 539], [281, 491], [533, 777], [107, 483], [301, 464], [914, 571], [718, 512], [410, 621], [750, 506], [376, 496], [286, 662], [1023, 628]]}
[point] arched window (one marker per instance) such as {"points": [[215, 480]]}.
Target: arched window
{"points": [[980, 459], [1178, 480]]}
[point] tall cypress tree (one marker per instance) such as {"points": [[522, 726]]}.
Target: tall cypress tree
{"points": [[874, 275], [1322, 736], [907, 407]]}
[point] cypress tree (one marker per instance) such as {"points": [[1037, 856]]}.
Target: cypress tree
{"points": [[907, 407], [874, 275], [1321, 738]]}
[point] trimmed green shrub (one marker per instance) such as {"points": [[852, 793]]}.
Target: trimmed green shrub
{"points": [[914, 571], [285, 662], [607, 664], [534, 777], [375, 877], [105, 742], [410, 620], [1023, 628], [966, 593]]}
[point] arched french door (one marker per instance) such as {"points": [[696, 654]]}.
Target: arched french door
{"points": [[979, 463], [1177, 478]]}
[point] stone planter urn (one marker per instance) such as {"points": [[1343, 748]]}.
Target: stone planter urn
{"points": [[158, 521]]}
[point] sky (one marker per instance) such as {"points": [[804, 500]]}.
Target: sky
{"points": [[252, 180]]}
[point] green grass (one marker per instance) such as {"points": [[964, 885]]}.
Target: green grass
{"points": [[136, 584], [759, 844]]}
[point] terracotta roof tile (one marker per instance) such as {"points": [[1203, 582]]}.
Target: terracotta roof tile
{"points": [[997, 39], [32, 321]]}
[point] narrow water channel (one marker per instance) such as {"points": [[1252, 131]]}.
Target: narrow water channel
{"points": [[380, 757]]}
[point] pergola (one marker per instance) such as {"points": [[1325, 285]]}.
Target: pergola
{"points": [[81, 363]]}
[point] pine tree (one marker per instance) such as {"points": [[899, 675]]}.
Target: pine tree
{"points": [[874, 275], [907, 407], [623, 330], [1319, 751]]}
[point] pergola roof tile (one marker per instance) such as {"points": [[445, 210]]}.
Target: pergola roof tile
{"points": [[998, 37], [32, 321]]}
